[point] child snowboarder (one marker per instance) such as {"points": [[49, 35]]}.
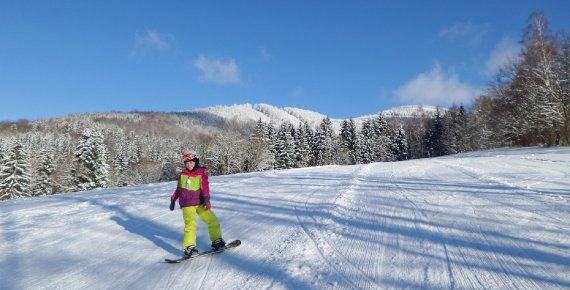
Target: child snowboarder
{"points": [[193, 192]]}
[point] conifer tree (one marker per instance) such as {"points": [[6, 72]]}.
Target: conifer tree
{"points": [[14, 174], [316, 149], [91, 168], [324, 146], [450, 134], [400, 145], [2, 152], [383, 135], [45, 183], [434, 139], [302, 145], [271, 139], [348, 138], [135, 150], [365, 143], [310, 136], [121, 166], [462, 133], [2, 155], [284, 148]]}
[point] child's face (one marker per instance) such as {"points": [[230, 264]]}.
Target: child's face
{"points": [[189, 164]]}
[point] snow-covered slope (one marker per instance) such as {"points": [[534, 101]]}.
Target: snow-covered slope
{"points": [[411, 111], [495, 219], [241, 113], [270, 114]]}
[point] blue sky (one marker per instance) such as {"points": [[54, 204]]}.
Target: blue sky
{"points": [[340, 58]]}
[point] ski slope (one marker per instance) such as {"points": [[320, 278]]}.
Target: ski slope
{"points": [[495, 219]]}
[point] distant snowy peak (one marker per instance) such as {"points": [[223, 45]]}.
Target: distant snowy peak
{"points": [[412, 111], [242, 113], [252, 113], [247, 113]]}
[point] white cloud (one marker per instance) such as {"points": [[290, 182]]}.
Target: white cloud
{"points": [[506, 50], [149, 42], [436, 88], [153, 39], [217, 71], [472, 34]]}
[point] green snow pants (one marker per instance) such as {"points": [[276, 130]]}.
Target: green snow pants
{"points": [[191, 224]]}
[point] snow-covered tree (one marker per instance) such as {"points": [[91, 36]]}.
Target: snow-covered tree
{"points": [[383, 136], [121, 168], [135, 150], [271, 139], [481, 133], [348, 139], [14, 174], [124, 157], [303, 145], [45, 183], [400, 145], [434, 139], [564, 60], [260, 154], [170, 171], [2, 152], [540, 81], [324, 145], [90, 169], [226, 153], [365, 143], [461, 130], [285, 148]]}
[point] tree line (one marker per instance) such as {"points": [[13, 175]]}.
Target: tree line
{"points": [[91, 151], [527, 104]]}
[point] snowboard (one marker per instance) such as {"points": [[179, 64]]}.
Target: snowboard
{"points": [[228, 246]]}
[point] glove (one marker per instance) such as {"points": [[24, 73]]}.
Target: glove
{"points": [[172, 202], [206, 202]]}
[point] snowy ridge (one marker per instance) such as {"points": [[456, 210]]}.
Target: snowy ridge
{"points": [[278, 116], [412, 111], [270, 114], [243, 113], [313, 118], [483, 220]]}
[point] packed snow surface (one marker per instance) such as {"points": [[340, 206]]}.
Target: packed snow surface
{"points": [[495, 219]]}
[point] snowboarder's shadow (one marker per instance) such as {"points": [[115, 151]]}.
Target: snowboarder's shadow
{"points": [[148, 230], [139, 225]]}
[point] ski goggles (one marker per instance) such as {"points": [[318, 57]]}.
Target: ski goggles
{"points": [[188, 157]]}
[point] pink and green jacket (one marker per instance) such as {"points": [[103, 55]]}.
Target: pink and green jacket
{"points": [[193, 187]]}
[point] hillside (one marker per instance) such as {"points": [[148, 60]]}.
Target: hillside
{"points": [[143, 147], [202, 120], [493, 219], [248, 113]]}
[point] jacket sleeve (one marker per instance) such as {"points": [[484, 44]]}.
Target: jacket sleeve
{"points": [[205, 184]]}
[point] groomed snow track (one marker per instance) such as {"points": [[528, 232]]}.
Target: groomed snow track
{"points": [[485, 220]]}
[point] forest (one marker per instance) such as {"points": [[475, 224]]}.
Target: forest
{"points": [[527, 104]]}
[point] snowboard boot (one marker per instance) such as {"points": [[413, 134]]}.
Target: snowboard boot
{"points": [[218, 244], [190, 251]]}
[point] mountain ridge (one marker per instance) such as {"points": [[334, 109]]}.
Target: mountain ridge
{"points": [[272, 114]]}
